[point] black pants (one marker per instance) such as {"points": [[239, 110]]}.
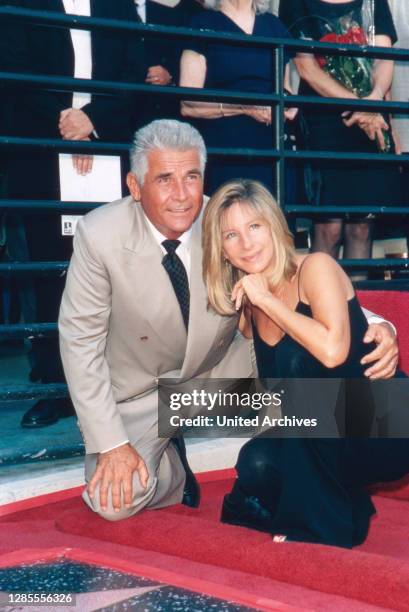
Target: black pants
{"points": [[315, 488], [34, 176]]}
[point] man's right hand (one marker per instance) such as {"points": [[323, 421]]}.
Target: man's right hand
{"points": [[115, 470], [82, 162]]}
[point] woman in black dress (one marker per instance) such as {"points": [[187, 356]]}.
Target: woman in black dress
{"points": [[357, 22], [306, 322], [235, 68]]}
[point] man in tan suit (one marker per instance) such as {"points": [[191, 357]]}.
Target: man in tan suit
{"points": [[121, 326], [124, 324]]}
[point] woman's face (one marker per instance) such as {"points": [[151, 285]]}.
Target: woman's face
{"points": [[246, 239]]}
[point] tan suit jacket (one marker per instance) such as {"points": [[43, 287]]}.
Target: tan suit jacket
{"points": [[121, 327]]}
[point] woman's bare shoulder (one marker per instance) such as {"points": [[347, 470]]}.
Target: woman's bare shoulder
{"points": [[319, 270]]}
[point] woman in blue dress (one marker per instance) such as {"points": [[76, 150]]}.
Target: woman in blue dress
{"points": [[235, 68], [306, 322]]}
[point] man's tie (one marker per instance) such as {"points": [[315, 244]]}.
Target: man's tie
{"points": [[178, 276]]}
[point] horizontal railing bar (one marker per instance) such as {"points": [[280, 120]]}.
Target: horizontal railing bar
{"points": [[28, 330], [346, 103], [32, 392], [33, 267], [382, 285], [59, 267], [59, 206], [312, 211], [65, 83], [158, 31], [106, 147], [386, 263], [51, 205], [73, 146], [346, 156], [113, 147]]}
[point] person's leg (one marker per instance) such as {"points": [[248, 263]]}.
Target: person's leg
{"points": [[253, 498], [45, 243], [327, 237], [167, 475], [165, 484], [358, 240], [258, 472], [405, 197]]}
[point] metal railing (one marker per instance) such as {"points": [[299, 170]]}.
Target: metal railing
{"points": [[278, 154]]}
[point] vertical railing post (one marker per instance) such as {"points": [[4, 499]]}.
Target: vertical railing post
{"points": [[279, 125]]}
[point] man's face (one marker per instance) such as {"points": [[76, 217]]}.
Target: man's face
{"points": [[172, 193]]}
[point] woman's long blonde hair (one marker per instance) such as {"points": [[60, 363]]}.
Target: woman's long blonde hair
{"points": [[218, 274]]}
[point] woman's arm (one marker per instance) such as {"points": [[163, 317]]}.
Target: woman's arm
{"points": [[193, 74], [323, 83], [374, 124], [325, 286], [382, 71], [289, 113]]}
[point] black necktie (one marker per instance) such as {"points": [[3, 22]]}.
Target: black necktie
{"points": [[177, 274]]}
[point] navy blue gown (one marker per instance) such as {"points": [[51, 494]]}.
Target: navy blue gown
{"points": [[237, 68], [315, 488]]}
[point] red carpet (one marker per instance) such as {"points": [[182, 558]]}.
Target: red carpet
{"points": [[396, 491], [31, 533], [376, 573]]}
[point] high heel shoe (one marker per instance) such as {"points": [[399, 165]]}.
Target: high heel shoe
{"points": [[246, 512]]}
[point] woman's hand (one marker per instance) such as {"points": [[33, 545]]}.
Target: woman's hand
{"points": [[253, 286], [373, 124], [290, 113], [262, 114]]}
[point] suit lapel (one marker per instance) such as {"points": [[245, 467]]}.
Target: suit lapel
{"points": [[63, 42], [95, 36], [157, 302], [203, 323], [56, 5]]}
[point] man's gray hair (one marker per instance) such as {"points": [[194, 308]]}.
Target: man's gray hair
{"points": [[259, 6], [164, 134]]}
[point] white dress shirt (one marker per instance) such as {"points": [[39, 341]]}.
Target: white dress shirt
{"points": [[141, 9], [103, 183], [81, 42]]}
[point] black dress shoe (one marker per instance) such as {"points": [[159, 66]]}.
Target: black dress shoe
{"points": [[46, 412], [247, 512], [191, 492]]}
